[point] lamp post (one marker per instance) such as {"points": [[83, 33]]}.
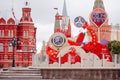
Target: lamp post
{"points": [[14, 42], [33, 50]]}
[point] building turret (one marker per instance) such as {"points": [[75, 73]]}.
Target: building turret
{"points": [[26, 14], [57, 23], [27, 30], [62, 22], [98, 4]]}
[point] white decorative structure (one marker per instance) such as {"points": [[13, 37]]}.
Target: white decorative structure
{"points": [[88, 60]]}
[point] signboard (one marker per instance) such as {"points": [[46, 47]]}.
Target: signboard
{"points": [[98, 17]]}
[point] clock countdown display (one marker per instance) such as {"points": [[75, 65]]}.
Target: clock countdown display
{"points": [[98, 16], [58, 40]]}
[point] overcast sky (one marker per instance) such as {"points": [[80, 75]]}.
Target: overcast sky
{"points": [[43, 12]]}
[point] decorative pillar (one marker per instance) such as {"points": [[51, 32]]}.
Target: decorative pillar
{"points": [[98, 34], [115, 60]]}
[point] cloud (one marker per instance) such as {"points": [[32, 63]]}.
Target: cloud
{"points": [[43, 34]]}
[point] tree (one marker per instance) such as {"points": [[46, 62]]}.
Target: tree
{"points": [[114, 47]]}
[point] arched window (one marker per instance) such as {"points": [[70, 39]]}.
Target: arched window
{"points": [[10, 48], [26, 34], [1, 33], [1, 47], [10, 33]]}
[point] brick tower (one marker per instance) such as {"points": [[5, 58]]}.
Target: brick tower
{"points": [[62, 22], [26, 30], [99, 21]]}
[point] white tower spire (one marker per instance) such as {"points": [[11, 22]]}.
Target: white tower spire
{"points": [[64, 13]]}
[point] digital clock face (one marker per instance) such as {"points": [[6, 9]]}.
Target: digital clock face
{"points": [[98, 17], [58, 40]]}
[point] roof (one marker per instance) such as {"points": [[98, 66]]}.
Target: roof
{"points": [[7, 14], [98, 4]]}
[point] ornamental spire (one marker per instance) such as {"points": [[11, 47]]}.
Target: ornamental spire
{"points": [[98, 4], [27, 4], [64, 13], [13, 10]]}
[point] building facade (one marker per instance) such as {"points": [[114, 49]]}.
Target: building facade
{"points": [[24, 32]]}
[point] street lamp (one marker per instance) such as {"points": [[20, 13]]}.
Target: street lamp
{"points": [[33, 50], [14, 42]]}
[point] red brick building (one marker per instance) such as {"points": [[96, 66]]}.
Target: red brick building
{"points": [[24, 31]]}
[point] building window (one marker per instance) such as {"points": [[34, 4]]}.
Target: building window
{"points": [[9, 57], [1, 65], [1, 47], [17, 65], [26, 58], [10, 33], [26, 14], [113, 36], [25, 34], [2, 57], [25, 47], [10, 48], [9, 65], [25, 65], [1, 33]]}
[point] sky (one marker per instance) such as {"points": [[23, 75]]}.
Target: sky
{"points": [[43, 13]]}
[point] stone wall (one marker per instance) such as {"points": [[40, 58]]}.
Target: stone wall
{"points": [[81, 74]]}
